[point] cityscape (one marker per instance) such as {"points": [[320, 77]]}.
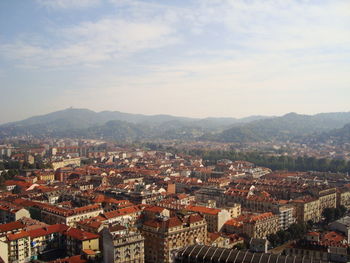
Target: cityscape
{"points": [[174, 131]]}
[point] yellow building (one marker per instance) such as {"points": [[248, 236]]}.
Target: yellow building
{"points": [[327, 198], [46, 176], [51, 214], [235, 210], [307, 208], [253, 225], [215, 217], [164, 237], [79, 241], [262, 225], [15, 248], [343, 198], [121, 244]]}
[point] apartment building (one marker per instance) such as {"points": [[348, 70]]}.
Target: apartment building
{"points": [[215, 218], [253, 225], [57, 215], [260, 226], [307, 208], [15, 247], [10, 212], [327, 198], [343, 197], [163, 237], [121, 244]]}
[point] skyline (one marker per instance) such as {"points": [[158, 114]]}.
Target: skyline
{"points": [[207, 58], [176, 116]]}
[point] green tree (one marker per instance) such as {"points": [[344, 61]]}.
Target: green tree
{"points": [[328, 214]]}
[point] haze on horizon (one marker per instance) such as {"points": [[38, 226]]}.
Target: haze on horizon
{"points": [[195, 58]]}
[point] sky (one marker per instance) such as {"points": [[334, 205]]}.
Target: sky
{"points": [[195, 58]]}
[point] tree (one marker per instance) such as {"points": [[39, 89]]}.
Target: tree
{"points": [[343, 210], [328, 214], [274, 239]]}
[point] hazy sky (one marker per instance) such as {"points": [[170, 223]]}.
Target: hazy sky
{"points": [[182, 57]]}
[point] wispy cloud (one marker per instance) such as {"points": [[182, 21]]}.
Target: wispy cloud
{"points": [[90, 43], [199, 57]]}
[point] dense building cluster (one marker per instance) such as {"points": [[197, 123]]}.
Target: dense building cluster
{"points": [[101, 203]]}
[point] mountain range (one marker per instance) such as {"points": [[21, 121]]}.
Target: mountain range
{"points": [[119, 126]]}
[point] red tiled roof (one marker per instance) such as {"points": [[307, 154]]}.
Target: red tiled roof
{"points": [[17, 236], [258, 217], [169, 223], [333, 237], [154, 209], [194, 218], [203, 209], [122, 211], [11, 226], [89, 252], [234, 223], [74, 259], [80, 234], [57, 228], [93, 222]]}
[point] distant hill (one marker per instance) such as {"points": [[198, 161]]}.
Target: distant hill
{"points": [[286, 127], [337, 136], [116, 125]]}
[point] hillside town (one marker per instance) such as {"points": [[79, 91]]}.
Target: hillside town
{"points": [[92, 201]]}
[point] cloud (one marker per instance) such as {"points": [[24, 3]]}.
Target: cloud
{"points": [[242, 27], [90, 43], [67, 4], [205, 57]]}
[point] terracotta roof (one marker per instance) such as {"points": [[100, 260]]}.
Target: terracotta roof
{"points": [[57, 228], [11, 226], [123, 211], [194, 218], [154, 209], [17, 236], [116, 228], [333, 237], [80, 234], [93, 222], [168, 223], [203, 209], [255, 218], [89, 252], [74, 259], [213, 236], [234, 223]]}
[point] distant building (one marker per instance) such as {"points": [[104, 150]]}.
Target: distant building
{"points": [[10, 212], [215, 218]]}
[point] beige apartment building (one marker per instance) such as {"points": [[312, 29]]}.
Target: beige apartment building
{"points": [[121, 244], [215, 218], [163, 238], [327, 198], [343, 197], [15, 248], [57, 215], [10, 212], [262, 225], [235, 210], [307, 208], [253, 225]]}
